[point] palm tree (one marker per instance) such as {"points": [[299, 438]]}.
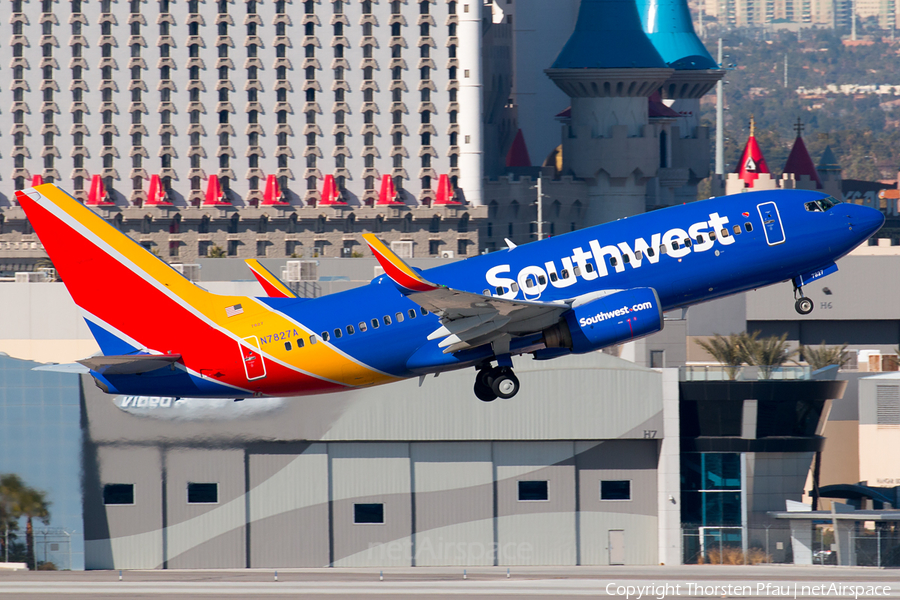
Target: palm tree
{"points": [[731, 350], [819, 357], [33, 504], [11, 489], [768, 353]]}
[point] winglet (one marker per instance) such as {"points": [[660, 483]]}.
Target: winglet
{"points": [[273, 286], [400, 273]]}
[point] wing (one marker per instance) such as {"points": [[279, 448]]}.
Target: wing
{"points": [[468, 320], [274, 287]]}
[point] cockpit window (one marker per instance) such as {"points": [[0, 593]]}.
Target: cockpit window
{"points": [[821, 205]]}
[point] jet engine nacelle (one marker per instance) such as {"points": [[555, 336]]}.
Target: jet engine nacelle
{"points": [[613, 319]]}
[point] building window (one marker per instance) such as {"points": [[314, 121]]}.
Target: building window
{"points": [[118, 493], [615, 489], [261, 247], [462, 247], [233, 247], [371, 514], [533, 491], [203, 493], [657, 359], [434, 247]]}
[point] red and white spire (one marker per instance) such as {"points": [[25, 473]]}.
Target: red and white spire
{"points": [[752, 163]]}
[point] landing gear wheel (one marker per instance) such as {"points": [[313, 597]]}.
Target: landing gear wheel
{"points": [[804, 306], [483, 389], [505, 384]]}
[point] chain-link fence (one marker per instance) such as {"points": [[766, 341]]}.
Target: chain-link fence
{"points": [[53, 548], [877, 545]]}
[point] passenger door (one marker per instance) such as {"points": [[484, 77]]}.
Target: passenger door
{"points": [[254, 366], [771, 221]]}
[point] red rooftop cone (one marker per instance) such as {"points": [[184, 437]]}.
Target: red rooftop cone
{"points": [[518, 152], [330, 194], [388, 196], [752, 161], [37, 180], [156, 196], [214, 194], [799, 162], [98, 195], [273, 195], [445, 193]]}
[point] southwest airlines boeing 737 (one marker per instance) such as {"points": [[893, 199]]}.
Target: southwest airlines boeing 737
{"points": [[161, 335]]}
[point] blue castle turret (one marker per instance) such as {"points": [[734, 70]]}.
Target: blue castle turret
{"points": [[609, 68], [668, 25]]}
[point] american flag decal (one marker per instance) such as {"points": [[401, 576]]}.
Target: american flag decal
{"points": [[233, 311]]}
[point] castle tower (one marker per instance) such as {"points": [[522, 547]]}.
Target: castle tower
{"points": [[609, 68], [753, 163], [668, 25], [800, 164], [830, 174]]}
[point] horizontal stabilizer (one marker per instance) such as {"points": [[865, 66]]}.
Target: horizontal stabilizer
{"points": [[129, 364], [63, 368]]}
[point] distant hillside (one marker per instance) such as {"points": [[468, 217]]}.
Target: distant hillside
{"points": [[862, 129]]}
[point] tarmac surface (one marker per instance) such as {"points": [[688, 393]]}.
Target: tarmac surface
{"points": [[691, 581]]}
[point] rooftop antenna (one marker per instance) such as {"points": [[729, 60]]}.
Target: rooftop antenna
{"points": [[720, 118], [853, 20], [785, 70]]}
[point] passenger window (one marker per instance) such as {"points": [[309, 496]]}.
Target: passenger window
{"points": [[299, 342], [589, 268], [712, 235], [484, 293], [362, 327], [662, 249], [674, 244], [287, 346], [613, 261], [423, 310], [699, 239], [313, 339], [500, 291], [350, 330], [639, 256], [542, 280], [748, 226], [514, 287], [398, 317], [375, 323], [553, 276], [687, 242], [626, 259], [529, 283], [325, 336], [412, 311], [338, 333], [737, 230], [576, 271], [564, 274], [724, 232], [387, 320]]}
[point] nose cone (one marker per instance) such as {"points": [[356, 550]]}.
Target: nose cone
{"points": [[864, 220]]}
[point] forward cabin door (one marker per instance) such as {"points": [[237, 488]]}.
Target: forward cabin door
{"points": [[254, 367], [771, 221]]}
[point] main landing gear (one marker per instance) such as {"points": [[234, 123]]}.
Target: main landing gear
{"points": [[495, 382], [802, 305]]}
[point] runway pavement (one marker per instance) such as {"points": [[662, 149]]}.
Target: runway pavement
{"points": [[526, 582]]}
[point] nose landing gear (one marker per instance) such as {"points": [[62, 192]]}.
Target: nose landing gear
{"points": [[496, 382], [802, 305]]}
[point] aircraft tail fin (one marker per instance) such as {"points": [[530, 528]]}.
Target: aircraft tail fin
{"points": [[403, 276], [123, 290], [274, 287]]}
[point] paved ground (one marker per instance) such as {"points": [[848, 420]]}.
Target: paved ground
{"points": [[526, 582]]}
